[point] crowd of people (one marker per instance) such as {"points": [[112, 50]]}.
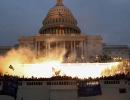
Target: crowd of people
{"points": [[115, 77]]}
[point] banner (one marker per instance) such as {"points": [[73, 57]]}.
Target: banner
{"points": [[10, 87], [89, 90]]}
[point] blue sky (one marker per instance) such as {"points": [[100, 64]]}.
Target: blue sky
{"points": [[108, 18]]}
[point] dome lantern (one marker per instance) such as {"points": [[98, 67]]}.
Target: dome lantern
{"points": [[59, 2]]}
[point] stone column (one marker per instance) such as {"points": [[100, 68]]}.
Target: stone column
{"points": [[46, 48], [85, 49], [56, 47], [49, 48], [74, 47], [64, 45], [35, 46], [71, 46], [38, 48], [82, 47]]}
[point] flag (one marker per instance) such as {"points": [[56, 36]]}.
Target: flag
{"points": [[11, 67], [89, 90]]}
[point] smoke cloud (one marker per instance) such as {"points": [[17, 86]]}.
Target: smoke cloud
{"points": [[11, 61], [25, 62]]}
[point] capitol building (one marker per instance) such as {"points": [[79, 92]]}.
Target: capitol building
{"points": [[60, 30]]}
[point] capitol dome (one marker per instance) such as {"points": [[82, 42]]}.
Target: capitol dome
{"points": [[59, 20]]}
